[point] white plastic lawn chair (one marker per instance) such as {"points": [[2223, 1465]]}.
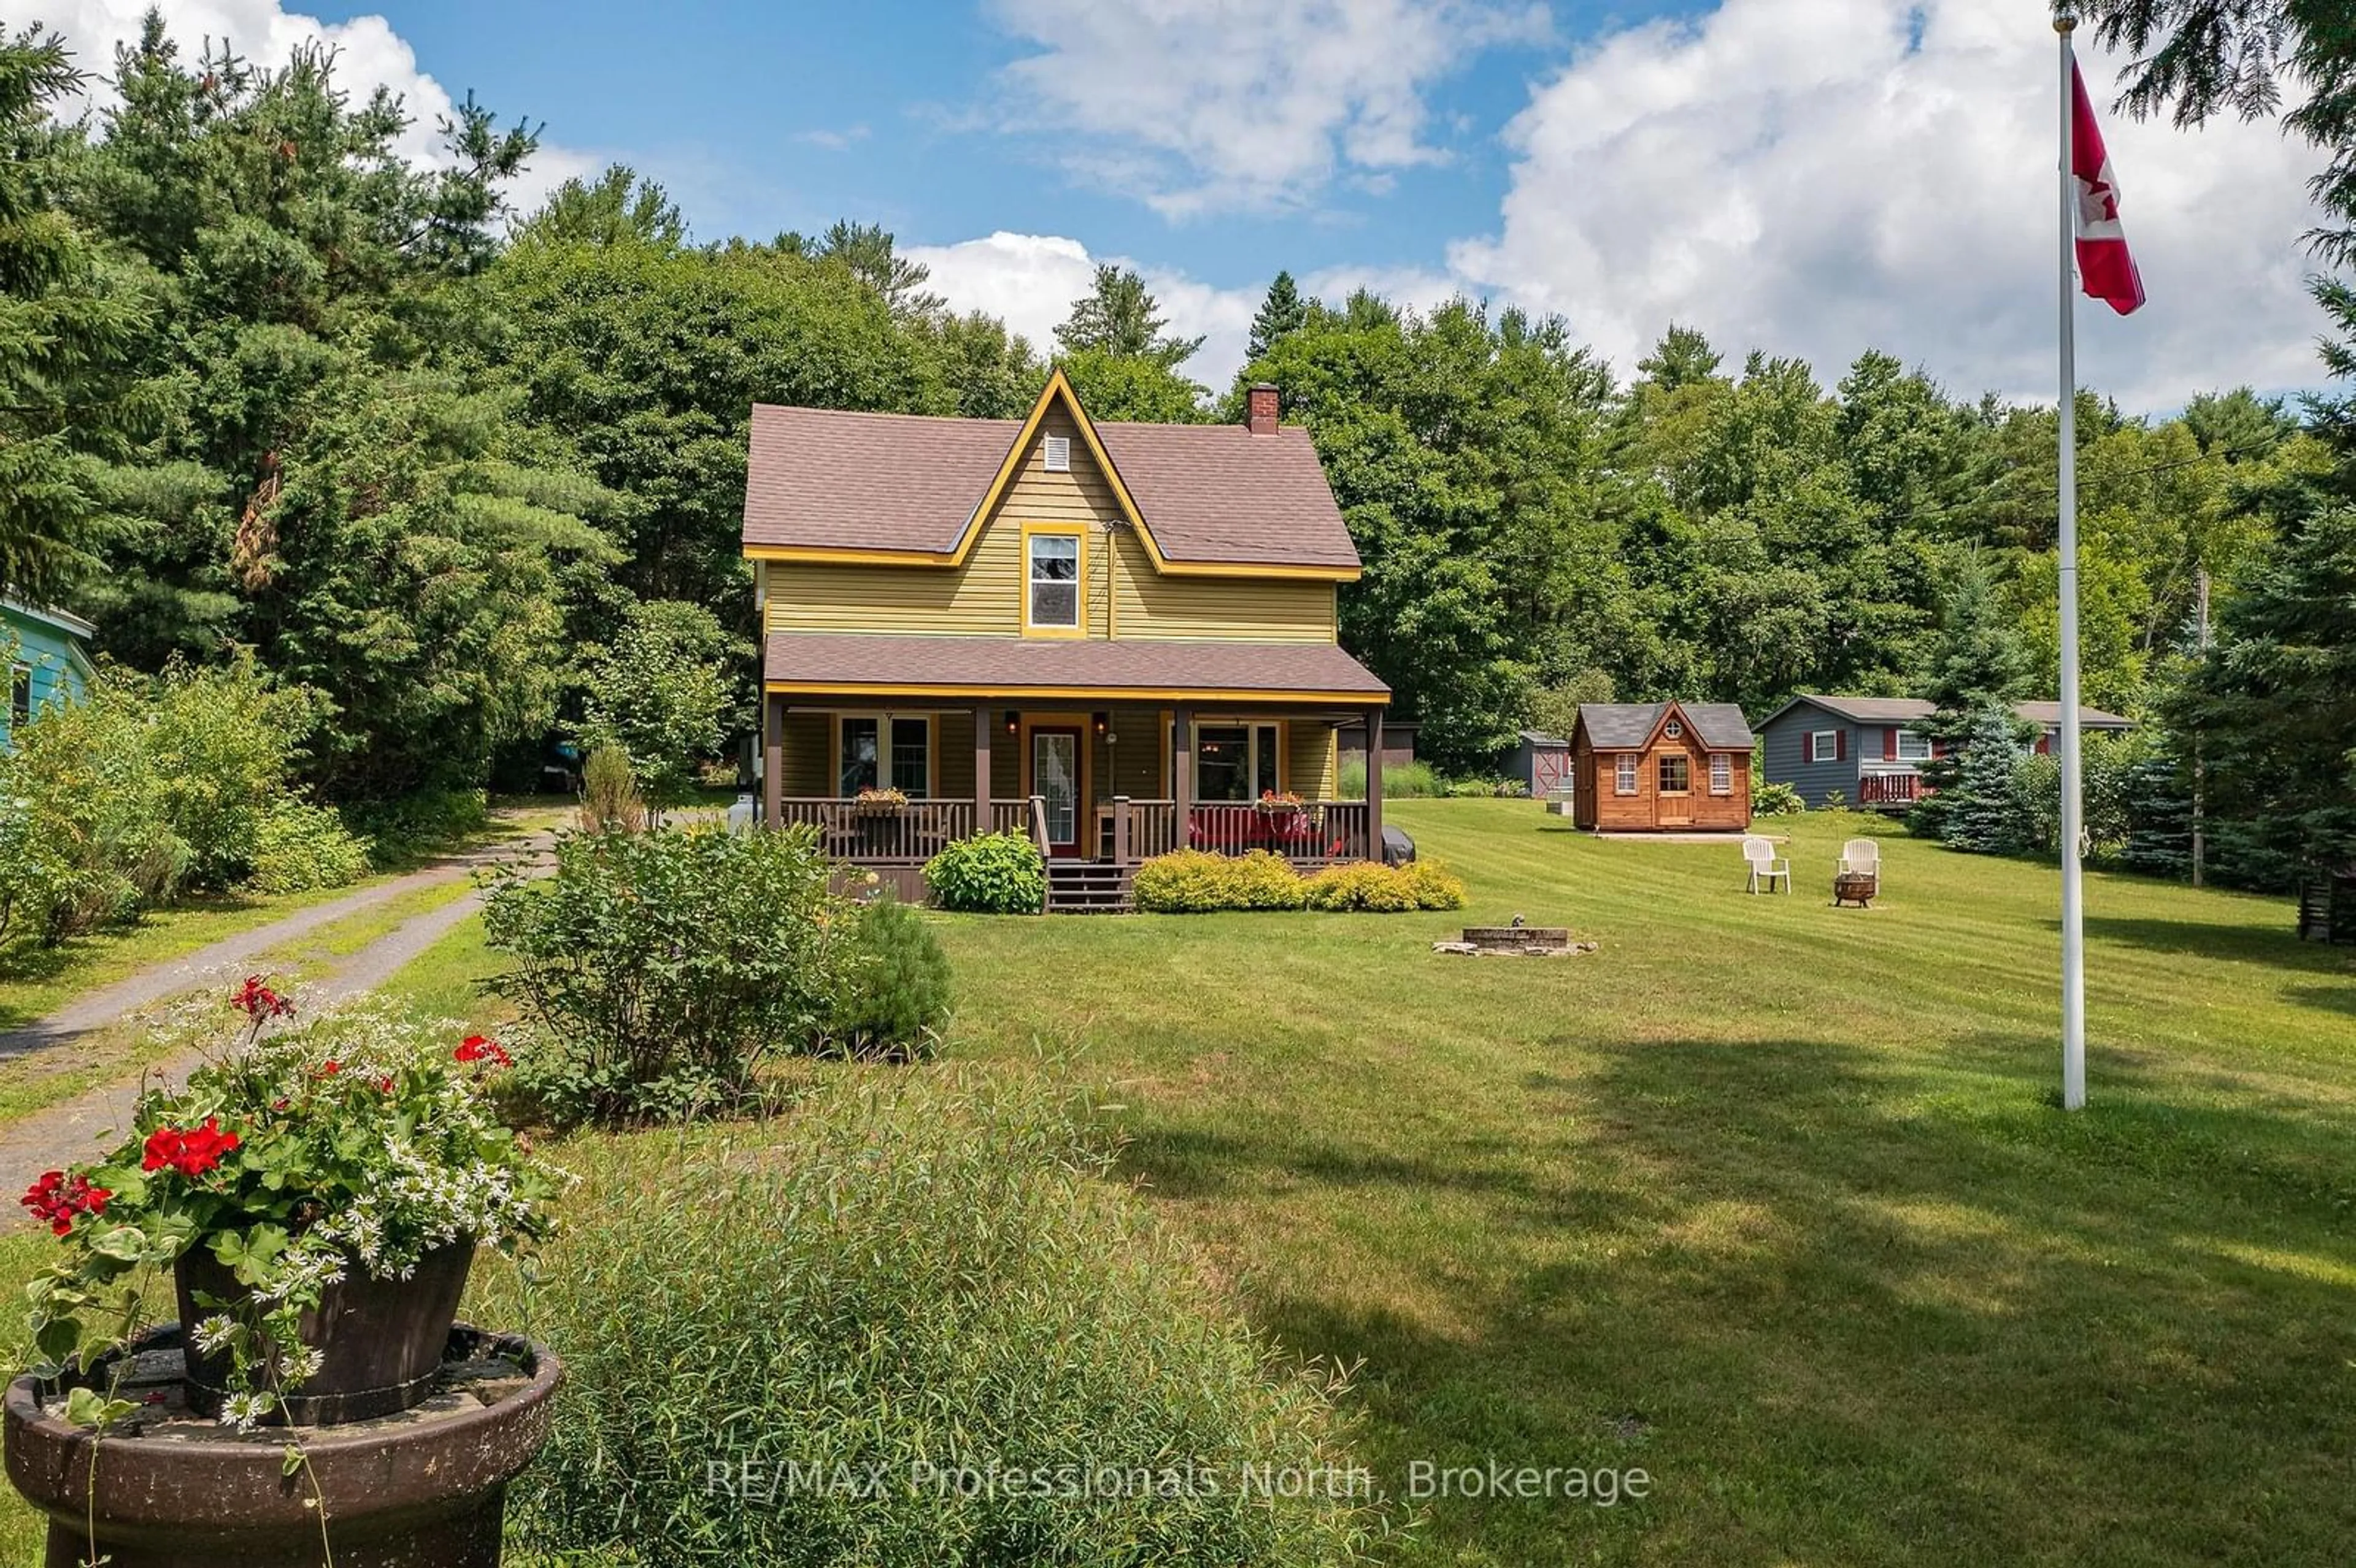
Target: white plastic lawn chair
{"points": [[1862, 857], [1760, 855]]}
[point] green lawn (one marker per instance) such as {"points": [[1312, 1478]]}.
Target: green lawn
{"points": [[1765, 1198]]}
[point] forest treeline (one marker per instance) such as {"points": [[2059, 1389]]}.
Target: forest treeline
{"points": [[270, 389]]}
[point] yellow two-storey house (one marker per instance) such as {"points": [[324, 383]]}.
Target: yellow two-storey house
{"points": [[1117, 638]]}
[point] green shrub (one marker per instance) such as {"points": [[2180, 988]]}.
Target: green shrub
{"points": [[610, 802], [224, 743], [1776, 800], [895, 995], [906, 1284], [415, 825], [86, 839], [995, 873], [1362, 886], [298, 847], [657, 970], [1197, 881], [1434, 884]]}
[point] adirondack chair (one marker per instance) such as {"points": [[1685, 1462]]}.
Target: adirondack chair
{"points": [[1759, 854], [1859, 880]]}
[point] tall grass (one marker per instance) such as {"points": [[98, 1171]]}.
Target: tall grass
{"points": [[1401, 781], [902, 1283]]}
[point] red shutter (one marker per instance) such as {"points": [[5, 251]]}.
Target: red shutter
{"points": [[1841, 745], [1889, 744]]}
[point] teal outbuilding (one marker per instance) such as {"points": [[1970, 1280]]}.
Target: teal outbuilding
{"points": [[47, 653]]}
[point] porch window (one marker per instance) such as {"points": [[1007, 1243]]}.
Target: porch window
{"points": [[1913, 747], [1235, 762], [912, 756], [907, 765], [1623, 776], [1721, 774], [1054, 578], [1676, 773], [20, 694]]}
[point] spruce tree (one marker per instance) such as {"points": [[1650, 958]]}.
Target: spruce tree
{"points": [[1979, 812], [1282, 312]]}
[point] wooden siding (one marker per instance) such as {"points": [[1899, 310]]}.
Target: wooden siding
{"points": [[47, 654], [1310, 767], [1148, 604], [1598, 806], [1126, 597], [805, 739]]}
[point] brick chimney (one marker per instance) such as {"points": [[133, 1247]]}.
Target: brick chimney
{"points": [[1262, 418]]}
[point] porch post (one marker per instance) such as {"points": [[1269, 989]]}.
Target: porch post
{"points": [[1375, 784], [981, 769], [1121, 830], [1181, 769], [772, 760]]}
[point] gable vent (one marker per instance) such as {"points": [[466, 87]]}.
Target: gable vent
{"points": [[1059, 455]]}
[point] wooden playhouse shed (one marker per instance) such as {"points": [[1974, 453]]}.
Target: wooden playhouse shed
{"points": [[1661, 767]]}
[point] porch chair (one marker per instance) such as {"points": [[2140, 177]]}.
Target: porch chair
{"points": [[1759, 854]]}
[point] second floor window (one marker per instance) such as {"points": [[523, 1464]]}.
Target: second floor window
{"points": [[1055, 581]]}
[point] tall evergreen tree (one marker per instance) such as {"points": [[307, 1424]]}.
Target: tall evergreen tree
{"points": [[69, 332], [1119, 316], [1280, 314], [1979, 814]]}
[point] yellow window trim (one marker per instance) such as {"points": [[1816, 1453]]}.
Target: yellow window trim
{"points": [[1057, 387], [1080, 580]]}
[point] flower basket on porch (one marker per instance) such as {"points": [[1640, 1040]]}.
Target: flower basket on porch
{"points": [[878, 803], [1275, 802]]}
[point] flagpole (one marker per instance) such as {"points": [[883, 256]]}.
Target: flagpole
{"points": [[2073, 889]]}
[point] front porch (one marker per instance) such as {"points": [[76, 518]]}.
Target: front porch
{"points": [[886, 784]]}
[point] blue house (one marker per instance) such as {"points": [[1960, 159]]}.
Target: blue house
{"points": [[1867, 750], [49, 660]]}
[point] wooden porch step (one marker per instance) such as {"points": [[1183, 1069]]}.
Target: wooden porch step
{"points": [[1087, 887]]}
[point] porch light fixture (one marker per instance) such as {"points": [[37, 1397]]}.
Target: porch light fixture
{"points": [[1013, 721], [1103, 722]]}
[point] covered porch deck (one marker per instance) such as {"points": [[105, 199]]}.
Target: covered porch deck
{"points": [[889, 770]]}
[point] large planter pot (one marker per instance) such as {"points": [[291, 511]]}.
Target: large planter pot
{"points": [[169, 1488], [380, 1341]]}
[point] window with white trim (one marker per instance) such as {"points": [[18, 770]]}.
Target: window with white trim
{"points": [[1824, 745], [1055, 581], [1913, 746], [1722, 774], [1235, 762], [1623, 775], [864, 761]]}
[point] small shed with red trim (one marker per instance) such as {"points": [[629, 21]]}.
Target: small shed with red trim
{"points": [[1661, 767]]}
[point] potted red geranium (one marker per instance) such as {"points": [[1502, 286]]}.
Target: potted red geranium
{"points": [[316, 1196]]}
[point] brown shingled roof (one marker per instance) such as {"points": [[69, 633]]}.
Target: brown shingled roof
{"points": [[997, 667], [822, 479]]}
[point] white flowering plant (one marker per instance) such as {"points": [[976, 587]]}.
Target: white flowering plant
{"points": [[362, 1141]]}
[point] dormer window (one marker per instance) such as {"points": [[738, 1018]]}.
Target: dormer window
{"points": [[1673, 729], [1052, 574], [1059, 455]]}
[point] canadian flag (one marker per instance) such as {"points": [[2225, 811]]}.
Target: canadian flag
{"points": [[2107, 268]]}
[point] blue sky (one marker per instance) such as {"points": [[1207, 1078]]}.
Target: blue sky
{"points": [[1809, 178]]}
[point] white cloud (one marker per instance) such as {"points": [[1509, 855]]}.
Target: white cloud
{"points": [[369, 54], [1811, 180], [1031, 281], [1197, 106]]}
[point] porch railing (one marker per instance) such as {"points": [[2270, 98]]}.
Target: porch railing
{"points": [[1312, 830], [1128, 831], [1888, 789], [872, 834]]}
